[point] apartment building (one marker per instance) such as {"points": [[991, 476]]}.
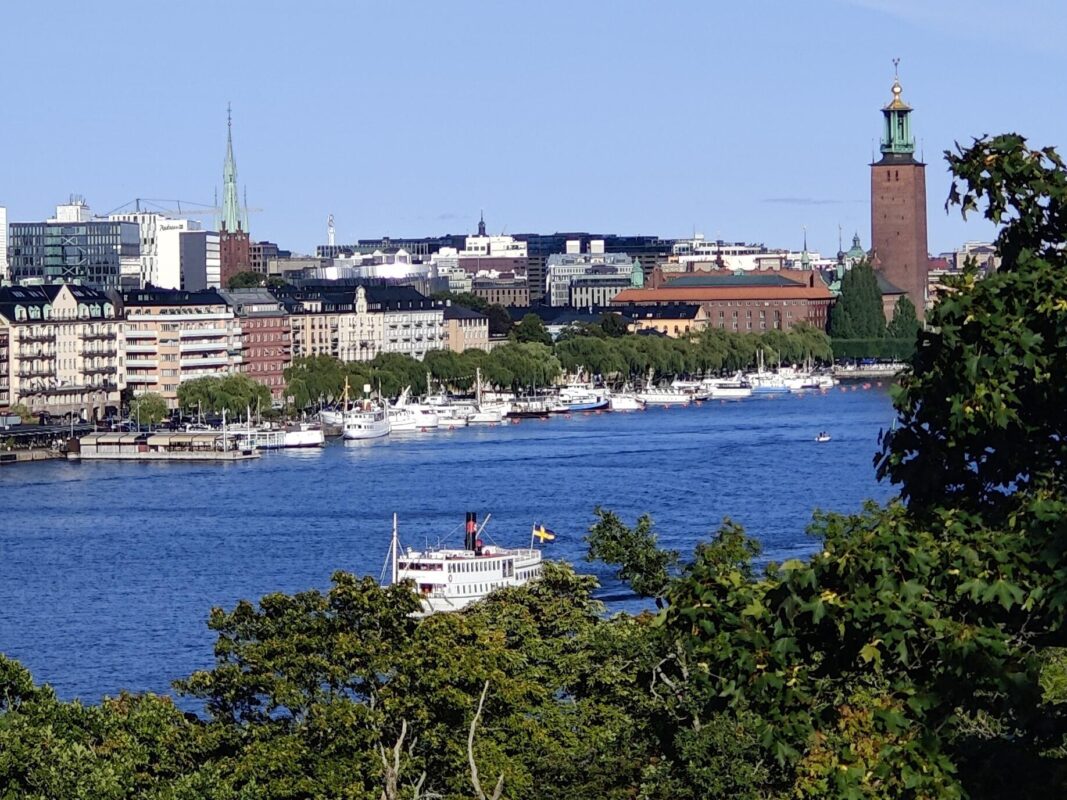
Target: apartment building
{"points": [[174, 336], [62, 353], [266, 337]]}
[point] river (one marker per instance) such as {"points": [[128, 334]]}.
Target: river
{"points": [[108, 570]]}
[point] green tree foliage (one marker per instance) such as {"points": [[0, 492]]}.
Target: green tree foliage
{"points": [[149, 409], [235, 393], [858, 312], [245, 280], [531, 330], [465, 299], [640, 561], [905, 324], [614, 325], [311, 380], [499, 320], [22, 411]]}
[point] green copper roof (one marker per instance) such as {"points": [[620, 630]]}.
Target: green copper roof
{"points": [[232, 218]]}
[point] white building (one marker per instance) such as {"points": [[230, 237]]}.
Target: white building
{"points": [[3, 244], [77, 210], [561, 269], [412, 324], [492, 247], [687, 253]]}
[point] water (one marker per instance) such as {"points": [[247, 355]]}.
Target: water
{"points": [[108, 570]]}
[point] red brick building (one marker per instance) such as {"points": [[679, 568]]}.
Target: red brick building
{"points": [[266, 337], [750, 302], [898, 206]]}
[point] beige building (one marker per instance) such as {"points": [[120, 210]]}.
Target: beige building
{"points": [[507, 292], [62, 355], [174, 336], [466, 329]]}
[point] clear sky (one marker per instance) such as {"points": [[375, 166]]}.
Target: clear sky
{"points": [[746, 121]]}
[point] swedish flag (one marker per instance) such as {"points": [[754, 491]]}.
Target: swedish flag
{"points": [[543, 533]]}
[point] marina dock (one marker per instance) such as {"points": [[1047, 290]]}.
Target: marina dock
{"points": [[200, 446]]}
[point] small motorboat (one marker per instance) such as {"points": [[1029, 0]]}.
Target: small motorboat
{"points": [[823, 437]]}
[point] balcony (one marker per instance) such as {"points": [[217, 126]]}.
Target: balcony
{"points": [[133, 377], [37, 352], [100, 352], [90, 336], [141, 363], [140, 348], [37, 336], [140, 334], [202, 347], [193, 333], [36, 372], [99, 369], [210, 361]]}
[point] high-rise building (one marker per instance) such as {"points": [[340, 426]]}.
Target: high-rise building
{"points": [[234, 247], [898, 205], [74, 248], [3, 243]]}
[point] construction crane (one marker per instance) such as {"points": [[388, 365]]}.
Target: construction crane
{"points": [[182, 208]]}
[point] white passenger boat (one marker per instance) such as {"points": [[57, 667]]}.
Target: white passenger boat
{"points": [[402, 420], [624, 401], [367, 421], [582, 398], [422, 417], [663, 396], [450, 579], [736, 388]]}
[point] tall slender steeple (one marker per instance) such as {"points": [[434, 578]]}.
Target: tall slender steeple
{"points": [[481, 225], [232, 216]]}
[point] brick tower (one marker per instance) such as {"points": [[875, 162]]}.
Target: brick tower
{"points": [[898, 205], [234, 250]]}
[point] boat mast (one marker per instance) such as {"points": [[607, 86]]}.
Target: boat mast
{"points": [[478, 388], [393, 547]]}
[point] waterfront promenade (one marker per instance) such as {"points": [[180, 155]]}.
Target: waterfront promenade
{"points": [[111, 568]]}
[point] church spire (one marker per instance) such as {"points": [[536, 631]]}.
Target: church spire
{"points": [[896, 130], [481, 225], [232, 218]]}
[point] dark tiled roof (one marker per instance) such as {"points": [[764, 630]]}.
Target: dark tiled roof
{"points": [[462, 312], [560, 315], [885, 287], [26, 296], [172, 297]]}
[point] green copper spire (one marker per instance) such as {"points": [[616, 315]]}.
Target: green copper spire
{"points": [[896, 132], [232, 217]]}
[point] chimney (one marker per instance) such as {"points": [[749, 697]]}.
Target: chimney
{"points": [[469, 540]]}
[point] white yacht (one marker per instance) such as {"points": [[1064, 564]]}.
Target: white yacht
{"points": [[735, 388], [450, 579], [367, 421], [304, 434], [583, 398]]}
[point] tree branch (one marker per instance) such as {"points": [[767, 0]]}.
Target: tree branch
{"points": [[470, 754]]}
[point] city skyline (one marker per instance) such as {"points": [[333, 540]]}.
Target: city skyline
{"points": [[412, 129]]}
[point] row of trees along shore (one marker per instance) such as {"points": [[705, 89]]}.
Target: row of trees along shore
{"points": [[530, 359], [917, 653]]}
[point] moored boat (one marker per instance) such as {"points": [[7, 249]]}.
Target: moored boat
{"points": [[450, 579]]}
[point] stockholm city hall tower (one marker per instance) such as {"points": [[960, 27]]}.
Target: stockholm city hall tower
{"points": [[898, 205]]}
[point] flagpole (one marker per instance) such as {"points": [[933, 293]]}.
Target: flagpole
{"points": [[532, 528]]}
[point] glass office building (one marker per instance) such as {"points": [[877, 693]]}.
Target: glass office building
{"points": [[89, 253]]}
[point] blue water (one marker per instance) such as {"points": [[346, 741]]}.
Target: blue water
{"points": [[108, 570]]}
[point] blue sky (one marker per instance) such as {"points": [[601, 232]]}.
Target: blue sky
{"points": [[746, 121]]}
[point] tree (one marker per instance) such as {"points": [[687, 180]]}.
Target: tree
{"points": [[149, 409], [465, 299], [245, 280], [235, 393], [531, 329], [905, 324], [22, 411], [858, 312], [614, 325], [499, 320], [276, 282], [635, 552]]}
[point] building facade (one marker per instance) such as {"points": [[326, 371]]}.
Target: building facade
{"points": [[412, 323], [266, 337], [898, 205], [510, 293], [465, 329], [749, 303], [562, 269], [3, 244], [93, 253], [673, 320], [597, 290], [174, 336], [64, 345]]}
